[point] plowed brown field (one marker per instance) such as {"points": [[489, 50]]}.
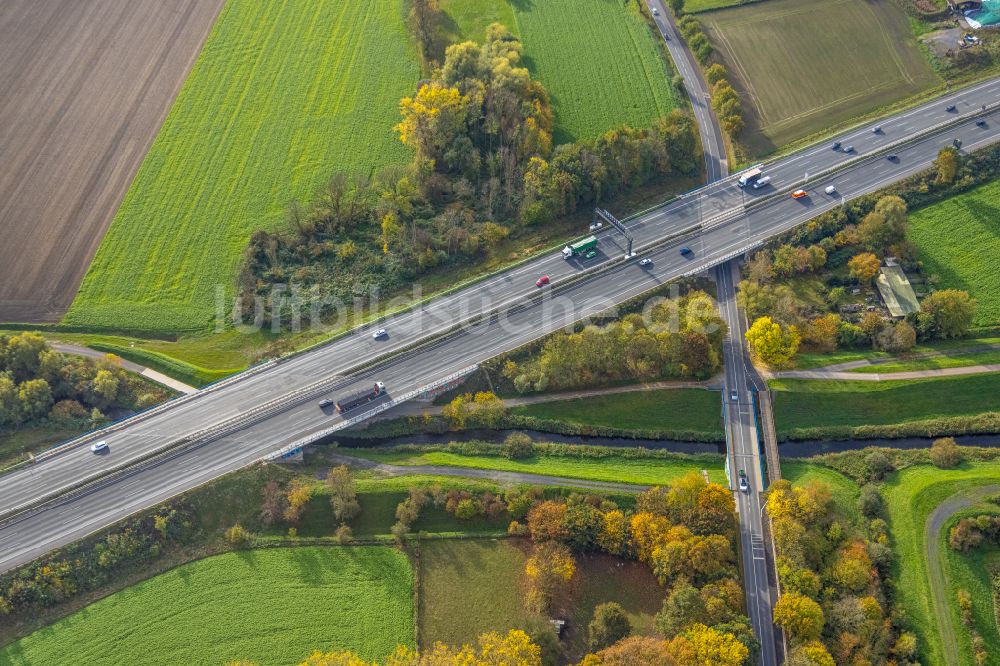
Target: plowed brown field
{"points": [[85, 87]]}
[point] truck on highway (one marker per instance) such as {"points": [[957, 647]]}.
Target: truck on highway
{"points": [[360, 398], [580, 247], [750, 176]]}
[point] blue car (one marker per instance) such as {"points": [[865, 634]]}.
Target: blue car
{"points": [[685, 251]]}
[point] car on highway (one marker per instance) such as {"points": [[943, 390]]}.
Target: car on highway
{"points": [[849, 149], [686, 251], [831, 189], [596, 225], [799, 194], [590, 254], [980, 123], [734, 395], [744, 487], [542, 281], [836, 145], [99, 447], [762, 182], [877, 129], [892, 157], [324, 403], [645, 262], [950, 108], [656, 12], [379, 334]]}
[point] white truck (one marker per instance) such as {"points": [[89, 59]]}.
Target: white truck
{"points": [[750, 176]]}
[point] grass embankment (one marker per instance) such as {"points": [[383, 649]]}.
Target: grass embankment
{"points": [[934, 363], [911, 496], [281, 95], [958, 240], [971, 571], [676, 410], [271, 606], [468, 587], [811, 360], [821, 64], [843, 489], [615, 469], [14, 444], [599, 60], [807, 408]]}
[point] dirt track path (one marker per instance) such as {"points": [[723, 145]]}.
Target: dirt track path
{"points": [[939, 584]]}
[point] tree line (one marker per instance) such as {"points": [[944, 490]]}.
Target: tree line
{"points": [[40, 385], [483, 168]]}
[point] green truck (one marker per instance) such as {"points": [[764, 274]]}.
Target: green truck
{"points": [[581, 247]]}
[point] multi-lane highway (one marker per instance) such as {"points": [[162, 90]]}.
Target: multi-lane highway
{"points": [[728, 228]]}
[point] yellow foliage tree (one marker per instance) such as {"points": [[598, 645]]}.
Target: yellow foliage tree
{"points": [[864, 267], [701, 645], [771, 343]]}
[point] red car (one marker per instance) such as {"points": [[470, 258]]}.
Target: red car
{"points": [[542, 281]]}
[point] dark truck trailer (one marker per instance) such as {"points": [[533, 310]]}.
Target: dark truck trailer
{"points": [[360, 398]]}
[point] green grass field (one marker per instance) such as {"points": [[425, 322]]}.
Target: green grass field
{"points": [[959, 240], [806, 403], [467, 587], [695, 6], [695, 410], [809, 360], [643, 471], [804, 66], [934, 363], [911, 496], [599, 59], [844, 490], [970, 571], [272, 606], [282, 95]]}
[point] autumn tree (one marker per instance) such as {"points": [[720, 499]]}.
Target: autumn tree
{"points": [[682, 608], [484, 408], [852, 567], [945, 453], [864, 267], [771, 343], [274, 505], [823, 332], [800, 617], [297, 497], [549, 569], [609, 625], [702, 645], [812, 653], [946, 166], [547, 521], [35, 398], [634, 650], [343, 496]]}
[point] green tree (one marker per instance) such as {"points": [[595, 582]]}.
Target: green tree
{"points": [[35, 398], [10, 405], [23, 355], [105, 387], [952, 312], [715, 73], [771, 343], [517, 446], [885, 225], [610, 625], [683, 607], [945, 453]]}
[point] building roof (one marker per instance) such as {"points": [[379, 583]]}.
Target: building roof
{"points": [[896, 291]]}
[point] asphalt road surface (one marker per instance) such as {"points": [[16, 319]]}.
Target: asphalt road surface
{"points": [[23, 539]]}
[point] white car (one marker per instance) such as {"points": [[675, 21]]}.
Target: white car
{"points": [[830, 189], [596, 225], [379, 334], [99, 447], [645, 262], [656, 12], [743, 484]]}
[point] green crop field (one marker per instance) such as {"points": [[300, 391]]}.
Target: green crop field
{"points": [[643, 471], [803, 66], [806, 403], [599, 59], [694, 410], [467, 587], [911, 496], [959, 240], [272, 606], [695, 6], [282, 96]]}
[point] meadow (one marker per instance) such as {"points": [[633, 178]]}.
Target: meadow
{"points": [[467, 587], [615, 469], [958, 240], [600, 61], [911, 496], [802, 66], [272, 606], [282, 96], [807, 403], [679, 410]]}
